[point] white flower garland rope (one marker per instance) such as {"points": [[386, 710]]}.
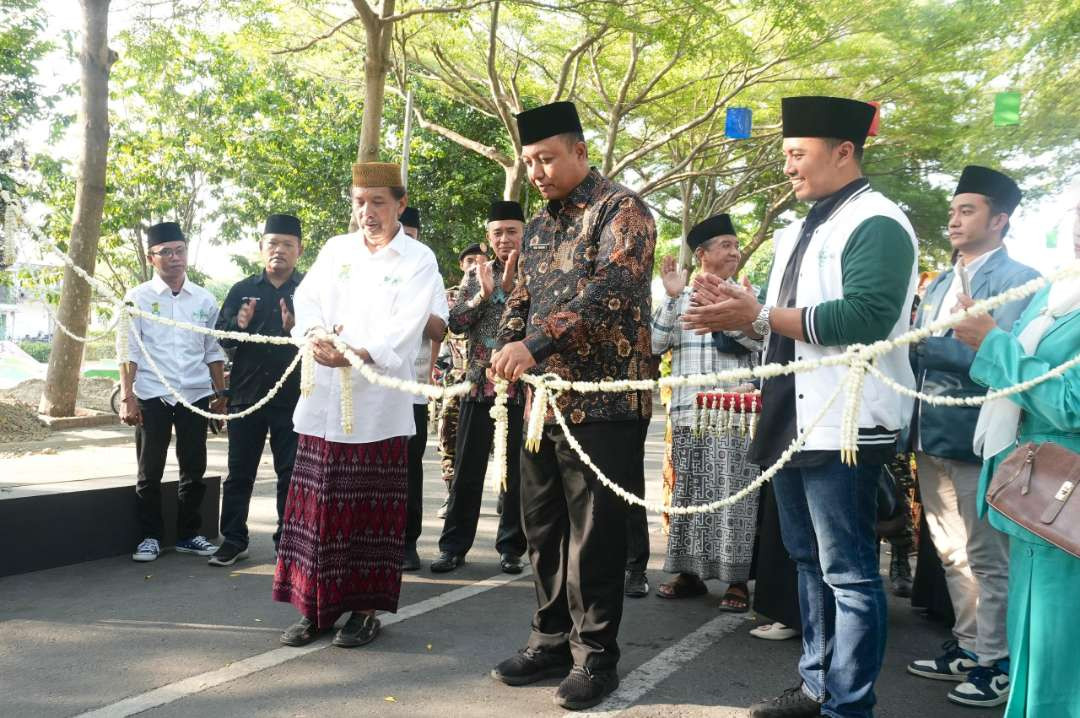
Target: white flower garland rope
{"points": [[630, 498], [207, 414], [858, 358], [501, 417]]}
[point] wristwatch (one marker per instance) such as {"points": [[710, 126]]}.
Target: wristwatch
{"points": [[761, 325]]}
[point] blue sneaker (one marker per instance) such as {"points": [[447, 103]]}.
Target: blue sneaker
{"points": [[953, 665], [197, 545], [985, 687]]}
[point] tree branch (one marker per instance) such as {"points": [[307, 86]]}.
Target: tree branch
{"points": [[571, 61], [431, 10], [318, 38]]}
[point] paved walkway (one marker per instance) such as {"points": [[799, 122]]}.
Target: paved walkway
{"points": [[179, 638]]}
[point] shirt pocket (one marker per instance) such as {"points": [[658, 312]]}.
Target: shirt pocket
{"points": [[193, 343]]}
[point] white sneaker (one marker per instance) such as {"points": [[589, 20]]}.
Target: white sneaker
{"points": [[148, 550], [774, 632]]}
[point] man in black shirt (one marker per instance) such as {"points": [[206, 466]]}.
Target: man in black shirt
{"points": [[260, 304]]}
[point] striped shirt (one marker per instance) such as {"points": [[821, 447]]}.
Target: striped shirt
{"points": [[692, 354]]}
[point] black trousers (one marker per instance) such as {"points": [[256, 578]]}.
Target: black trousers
{"points": [[152, 441], [475, 436], [414, 506], [576, 529], [776, 591], [247, 437], [637, 522]]}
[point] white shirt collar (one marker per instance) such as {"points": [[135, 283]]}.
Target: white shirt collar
{"points": [[399, 245], [158, 284], [976, 264]]}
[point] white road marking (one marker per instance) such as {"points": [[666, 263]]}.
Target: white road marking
{"points": [[169, 625], [652, 672], [260, 662]]}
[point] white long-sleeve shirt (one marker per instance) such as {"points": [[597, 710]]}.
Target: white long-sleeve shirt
{"points": [[422, 363], [180, 354], [382, 301]]}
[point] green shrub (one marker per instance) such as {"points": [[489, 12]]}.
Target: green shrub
{"points": [[38, 350]]}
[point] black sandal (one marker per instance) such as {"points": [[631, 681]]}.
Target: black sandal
{"points": [[361, 628], [301, 633], [682, 587]]}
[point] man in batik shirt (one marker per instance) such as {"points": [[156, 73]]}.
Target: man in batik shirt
{"points": [[477, 309], [580, 309]]}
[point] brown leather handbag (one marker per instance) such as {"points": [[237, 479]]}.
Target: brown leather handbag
{"points": [[1037, 487]]}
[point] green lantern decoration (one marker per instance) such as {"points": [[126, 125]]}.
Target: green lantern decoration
{"points": [[1006, 109]]}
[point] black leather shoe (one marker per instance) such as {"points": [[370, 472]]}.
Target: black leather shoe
{"points": [[509, 563], [530, 666], [636, 585], [446, 562], [411, 562], [792, 703], [583, 688]]}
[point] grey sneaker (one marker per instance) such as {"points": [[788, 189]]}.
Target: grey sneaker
{"points": [[148, 550], [636, 585], [792, 703]]}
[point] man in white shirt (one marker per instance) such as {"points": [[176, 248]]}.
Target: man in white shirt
{"points": [[434, 331], [343, 534], [164, 364]]}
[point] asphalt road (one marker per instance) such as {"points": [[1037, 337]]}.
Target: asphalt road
{"points": [[179, 638]]}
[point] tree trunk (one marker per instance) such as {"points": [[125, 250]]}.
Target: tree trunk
{"points": [[514, 182], [65, 359], [686, 257], [376, 65]]}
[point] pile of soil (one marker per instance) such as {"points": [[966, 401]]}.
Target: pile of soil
{"points": [[19, 422], [94, 393]]}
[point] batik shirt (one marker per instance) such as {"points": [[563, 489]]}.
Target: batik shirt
{"points": [[478, 319], [581, 303]]}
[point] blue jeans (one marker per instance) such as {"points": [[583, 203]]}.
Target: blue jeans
{"points": [[827, 519]]}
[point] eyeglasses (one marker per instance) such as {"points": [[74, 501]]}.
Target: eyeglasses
{"points": [[169, 252]]}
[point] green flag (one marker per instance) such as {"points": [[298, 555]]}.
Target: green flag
{"points": [[1051, 238], [1006, 109]]}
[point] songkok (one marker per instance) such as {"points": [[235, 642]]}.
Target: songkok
{"points": [[164, 232], [546, 121], [376, 174], [985, 181], [834, 117], [714, 226], [410, 217], [505, 210], [471, 249], [282, 224]]}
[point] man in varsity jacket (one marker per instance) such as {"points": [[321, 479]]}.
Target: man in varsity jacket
{"points": [[846, 274]]}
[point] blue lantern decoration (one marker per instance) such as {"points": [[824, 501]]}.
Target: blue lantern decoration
{"points": [[737, 125]]}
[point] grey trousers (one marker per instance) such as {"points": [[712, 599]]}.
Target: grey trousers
{"points": [[974, 554]]}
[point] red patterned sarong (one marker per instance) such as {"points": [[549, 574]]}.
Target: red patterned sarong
{"points": [[343, 533]]}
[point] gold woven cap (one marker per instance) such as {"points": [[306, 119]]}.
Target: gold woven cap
{"points": [[376, 174]]}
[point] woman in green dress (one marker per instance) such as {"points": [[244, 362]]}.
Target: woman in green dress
{"points": [[1044, 581]]}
